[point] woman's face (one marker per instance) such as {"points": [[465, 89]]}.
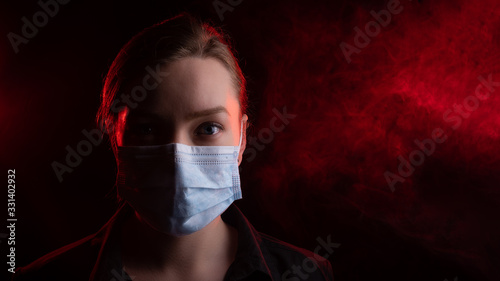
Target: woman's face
{"points": [[195, 103]]}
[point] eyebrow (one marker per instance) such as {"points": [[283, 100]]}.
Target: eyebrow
{"points": [[190, 116], [206, 112]]}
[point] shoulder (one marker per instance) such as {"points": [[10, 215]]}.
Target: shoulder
{"points": [[295, 263], [78, 260], [71, 262]]}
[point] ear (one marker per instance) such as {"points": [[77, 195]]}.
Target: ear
{"points": [[244, 119]]}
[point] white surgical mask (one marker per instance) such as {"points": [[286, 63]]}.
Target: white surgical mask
{"points": [[176, 188]]}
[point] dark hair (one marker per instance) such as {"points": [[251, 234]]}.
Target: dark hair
{"points": [[179, 37]]}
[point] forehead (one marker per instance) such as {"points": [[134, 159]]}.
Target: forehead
{"points": [[192, 84]]}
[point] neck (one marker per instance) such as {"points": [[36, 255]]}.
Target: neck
{"points": [[145, 248]]}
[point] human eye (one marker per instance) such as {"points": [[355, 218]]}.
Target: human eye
{"points": [[209, 128], [142, 129]]}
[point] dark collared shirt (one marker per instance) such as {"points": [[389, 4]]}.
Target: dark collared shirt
{"points": [[97, 257]]}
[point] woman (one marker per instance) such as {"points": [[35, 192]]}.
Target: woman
{"points": [[174, 105]]}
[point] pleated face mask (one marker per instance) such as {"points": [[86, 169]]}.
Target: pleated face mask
{"points": [[176, 188]]}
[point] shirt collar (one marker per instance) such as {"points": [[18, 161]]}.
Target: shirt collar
{"points": [[249, 256], [108, 264], [250, 253]]}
